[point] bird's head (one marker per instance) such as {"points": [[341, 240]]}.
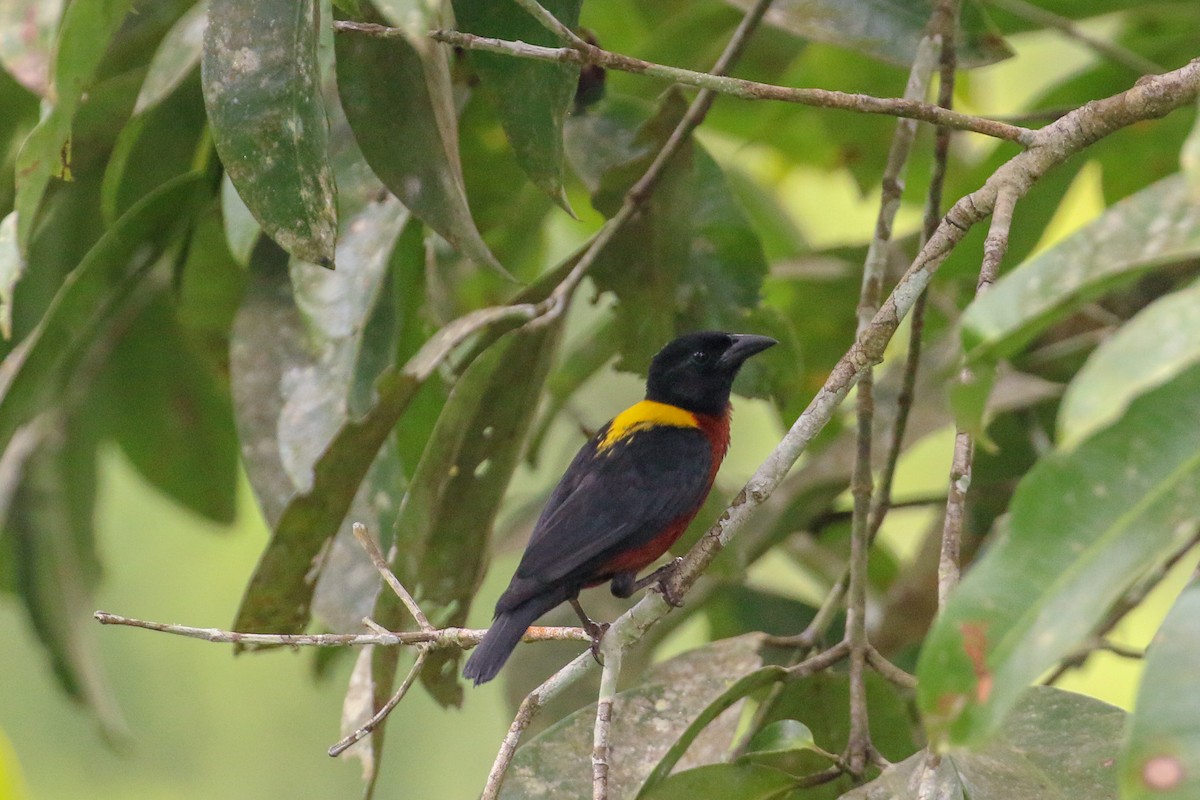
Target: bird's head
{"points": [[696, 371]]}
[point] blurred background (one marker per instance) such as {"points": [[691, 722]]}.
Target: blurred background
{"points": [[200, 723]]}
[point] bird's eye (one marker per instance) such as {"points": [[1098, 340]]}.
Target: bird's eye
{"points": [[700, 357]]}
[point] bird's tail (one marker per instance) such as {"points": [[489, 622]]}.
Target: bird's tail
{"points": [[502, 638]]}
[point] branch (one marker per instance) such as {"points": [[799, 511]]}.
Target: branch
{"points": [[859, 741], [552, 23], [994, 248], [381, 714], [436, 638], [601, 749], [381, 566], [734, 87]]}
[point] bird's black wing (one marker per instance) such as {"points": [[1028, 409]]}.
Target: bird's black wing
{"points": [[612, 499]]}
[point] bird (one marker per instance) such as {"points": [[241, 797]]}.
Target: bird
{"points": [[628, 494]]}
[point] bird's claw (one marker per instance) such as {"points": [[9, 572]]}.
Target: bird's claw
{"points": [[664, 586], [596, 630]]}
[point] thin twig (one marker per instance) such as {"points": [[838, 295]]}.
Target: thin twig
{"points": [[436, 639], [601, 749], [734, 87], [552, 23], [994, 247], [887, 669], [1110, 50], [861, 484], [378, 717], [368, 544], [530, 706]]}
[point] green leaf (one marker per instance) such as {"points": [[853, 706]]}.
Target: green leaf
{"points": [[175, 58], [58, 568], [1159, 225], [1055, 746], [738, 691], [645, 720], [27, 52], [91, 295], [883, 29], [262, 89], [741, 781], [1161, 341], [446, 520], [1161, 755], [152, 148], [782, 736], [1083, 526], [87, 29], [293, 360], [280, 591], [398, 90], [531, 97], [177, 428]]}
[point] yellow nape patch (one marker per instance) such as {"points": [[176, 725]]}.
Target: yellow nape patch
{"points": [[645, 414]]}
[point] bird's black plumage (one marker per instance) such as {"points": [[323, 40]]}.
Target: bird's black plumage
{"points": [[629, 492]]}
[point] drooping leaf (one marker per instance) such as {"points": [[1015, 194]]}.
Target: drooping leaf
{"points": [[1161, 755], [261, 87], [1083, 526], [1159, 225], [883, 29], [152, 148], [646, 720], [90, 296], [296, 342], [175, 58], [1055, 746], [57, 566], [398, 90], [83, 39], [177, 427], [530, 97], [1161, 341]]}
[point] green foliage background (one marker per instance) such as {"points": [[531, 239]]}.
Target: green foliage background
{"points": [[172, 378]]}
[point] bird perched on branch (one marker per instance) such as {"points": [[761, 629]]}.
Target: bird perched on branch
{"points": [[628, 495]]}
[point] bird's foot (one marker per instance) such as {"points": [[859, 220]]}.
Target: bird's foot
{"points": [[662, 578], [596, 630]]}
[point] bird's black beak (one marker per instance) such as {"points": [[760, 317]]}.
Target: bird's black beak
{"points": [[744, 345]]}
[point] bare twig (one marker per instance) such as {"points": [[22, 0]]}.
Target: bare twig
{"points": [[994, 248], [436, 639], [530, 706], [734, 87], [861, 485], [552, 23], [601, 748], [1110, 50], [368, 544], [381, 714], [889, 670]]}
